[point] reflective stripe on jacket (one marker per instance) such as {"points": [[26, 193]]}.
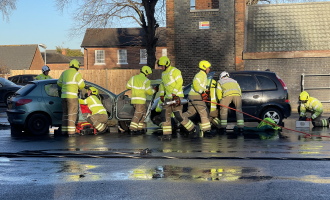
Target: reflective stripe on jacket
{"points": [[42, 77], [94, 104], [171, 83], [312, 105], [140, 86], [70, 80], [199, 83], [213, 95], [228, 87]]}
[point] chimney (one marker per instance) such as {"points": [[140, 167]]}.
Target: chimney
{"points": [[64, 52]]}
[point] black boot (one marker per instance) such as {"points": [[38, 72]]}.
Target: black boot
{"points": [[209, 133], [165, 137], [102, 132], [194, 133], [137, 132], [222, 131]]}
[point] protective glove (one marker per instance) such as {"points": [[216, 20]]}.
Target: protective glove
{"points": [[177, 99], [205, 97], [308, 119], [207, 92], [302, 118], [156, 88], [162, 98]]}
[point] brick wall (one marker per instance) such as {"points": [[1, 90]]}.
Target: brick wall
{"points": [[190, 44], [37, 61], [111, 58], [240, 7], [290, 70]]}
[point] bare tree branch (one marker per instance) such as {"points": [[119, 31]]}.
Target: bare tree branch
{"points": [[6, 6]]}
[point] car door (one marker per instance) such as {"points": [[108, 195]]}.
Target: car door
{"points": [[124, 108], [251, 95], [52, 99]]}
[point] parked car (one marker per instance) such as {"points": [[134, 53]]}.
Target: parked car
{"points": [[22, 79], [264, 94], [37, 106], [7, 90]]}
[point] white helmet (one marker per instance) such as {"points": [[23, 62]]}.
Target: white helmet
{"points": [[45, 68], [223, 74]]}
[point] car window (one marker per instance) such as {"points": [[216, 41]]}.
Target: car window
{"points": [[266, 83], [1, 85], [15, 79], [26, 89], [246, 82], [52, 90], [26, 79]]}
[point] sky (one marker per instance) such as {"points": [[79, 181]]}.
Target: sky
{"points": [[36, 22]]}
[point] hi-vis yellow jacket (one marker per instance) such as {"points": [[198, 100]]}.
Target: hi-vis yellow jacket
{"points": [[171, 83], [70, 80], [42, 77], [312, 105], [228, 87], [140, 86], [213, 95], [94, 104], [199, 83]]}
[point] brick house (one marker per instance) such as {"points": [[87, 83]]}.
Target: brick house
{"points": [[119, 48], [289, 39], [58, 61], [19, 57]]}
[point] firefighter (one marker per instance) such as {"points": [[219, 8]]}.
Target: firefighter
{"points": [[213, 107], [229, 91], [313, 106], [70, 81], [99, 115], [172, 86], [197, 94], [140, 86], [45, 71]]}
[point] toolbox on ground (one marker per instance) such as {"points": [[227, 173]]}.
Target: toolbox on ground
{"points": [[85, 128], [302, 124]]}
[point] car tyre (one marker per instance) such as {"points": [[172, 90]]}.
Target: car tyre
{"points": [[7, 97], [274, 114], [124, 125], [38, 124]]}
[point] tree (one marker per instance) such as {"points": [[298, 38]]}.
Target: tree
{"points": [[103, 13], [69, 52], [6, 6]]}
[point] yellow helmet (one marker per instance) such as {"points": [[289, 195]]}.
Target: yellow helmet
{"points": [[94, 90], [164, 61], [204, 64], [75, 63], [304, 96], [146, 70]]}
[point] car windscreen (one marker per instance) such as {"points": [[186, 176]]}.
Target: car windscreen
{"points": [[6, 82], [26, 89]]}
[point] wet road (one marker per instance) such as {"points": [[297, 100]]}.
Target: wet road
{"points": [[285, 165]]}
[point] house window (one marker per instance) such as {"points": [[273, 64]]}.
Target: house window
{"points": [[164, 52], [99, 57], [204, 4], [143, 56], [122, 56]]}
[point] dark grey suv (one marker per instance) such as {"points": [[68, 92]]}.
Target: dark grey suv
{"points": [[264, 94], [22, 79]]}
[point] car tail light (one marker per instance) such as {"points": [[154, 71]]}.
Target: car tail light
{"points": [[287, 101], [23, 102], [283, 84]]}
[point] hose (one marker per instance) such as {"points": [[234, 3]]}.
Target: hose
{"points": [[306, 135]]}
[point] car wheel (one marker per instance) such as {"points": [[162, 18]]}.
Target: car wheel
{"points": [[273, 114], [38, 124], [8, 97], [124, 125]]}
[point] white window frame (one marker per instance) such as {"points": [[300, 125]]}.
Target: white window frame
{"points": [[98, 59], [143, 56], [164, 52], [124, 60]]}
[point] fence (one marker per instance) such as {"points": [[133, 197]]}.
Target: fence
{"points": [[114, 80]]}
